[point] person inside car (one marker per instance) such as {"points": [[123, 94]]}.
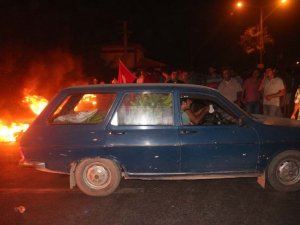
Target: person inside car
{"points": [[188, 116]]}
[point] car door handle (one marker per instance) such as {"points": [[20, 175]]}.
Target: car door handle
{"points": [[188, 131], [116, 132]]}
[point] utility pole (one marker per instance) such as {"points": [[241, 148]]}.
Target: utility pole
{"points": [[261, 39], [125, 39]]}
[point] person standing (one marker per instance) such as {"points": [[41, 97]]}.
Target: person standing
{"points": [[184, 76], [213, 79], [175, 78], [296, 105], [272, 88], [141, 77], [251, 94], [166, 75], [230, 87]]}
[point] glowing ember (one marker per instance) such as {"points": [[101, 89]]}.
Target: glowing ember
{"points": [[9, 133], [36, 103]]}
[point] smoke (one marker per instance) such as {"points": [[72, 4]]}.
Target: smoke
{"points": [[49, 72], [25, 71]]}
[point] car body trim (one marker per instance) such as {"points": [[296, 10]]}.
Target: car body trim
{"points": [[33, 164], [183, 176]]}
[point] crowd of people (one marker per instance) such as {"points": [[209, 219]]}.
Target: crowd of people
{"points": [[267, 91]]}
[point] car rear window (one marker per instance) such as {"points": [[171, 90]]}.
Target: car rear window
{"points": [[83, 109]]}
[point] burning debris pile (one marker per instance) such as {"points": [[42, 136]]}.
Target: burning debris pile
{"points": [[36, 103], [26, 84], [10, 132]]}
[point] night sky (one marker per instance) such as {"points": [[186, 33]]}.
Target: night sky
{"points": [[190, 34], [47, 45]]}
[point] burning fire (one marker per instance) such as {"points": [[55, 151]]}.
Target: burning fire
{"points": [[10, 132], [36, 103], [88, 101]]}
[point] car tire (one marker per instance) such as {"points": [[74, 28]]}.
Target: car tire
{"points": [[283, 172], [97, 176]]}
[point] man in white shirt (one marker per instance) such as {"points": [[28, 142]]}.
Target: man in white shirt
{"points": [[272, 88]]}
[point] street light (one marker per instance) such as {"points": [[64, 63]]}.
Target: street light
{"points": [[262, 18], [239, 4]]}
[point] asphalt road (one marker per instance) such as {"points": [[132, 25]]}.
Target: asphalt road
{"points": [[47, 200]]}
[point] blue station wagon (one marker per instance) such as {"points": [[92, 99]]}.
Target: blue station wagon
{"points": [[100, 133]]}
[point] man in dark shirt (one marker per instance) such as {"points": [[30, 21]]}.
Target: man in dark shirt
{"points": [[175, 79]]}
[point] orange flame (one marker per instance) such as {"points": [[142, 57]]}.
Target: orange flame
{"points": [[9, 133], [36, 103], [87, 101]]}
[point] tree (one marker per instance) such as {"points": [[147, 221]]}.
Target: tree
{"points": [[250, 40]]}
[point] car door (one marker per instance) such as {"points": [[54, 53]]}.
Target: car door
{"points": [[74, 130], [217, 146], [142, 135]]}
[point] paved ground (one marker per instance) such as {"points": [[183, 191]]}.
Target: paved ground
{"points": [[48, 200]]}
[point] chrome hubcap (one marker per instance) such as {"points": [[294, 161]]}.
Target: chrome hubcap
{"points": [[288, 172], [96, 176]]}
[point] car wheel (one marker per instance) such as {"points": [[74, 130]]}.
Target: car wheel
{"points": [[284, 171], [97, 177]]}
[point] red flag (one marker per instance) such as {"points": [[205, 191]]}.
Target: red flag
{"points": [[124, 76]]}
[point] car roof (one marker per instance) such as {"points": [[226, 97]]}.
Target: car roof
{"points": [[137, 87]]}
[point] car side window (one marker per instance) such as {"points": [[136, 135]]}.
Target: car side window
{"points": [[83, 109], [201, 110], [145, 109]]}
